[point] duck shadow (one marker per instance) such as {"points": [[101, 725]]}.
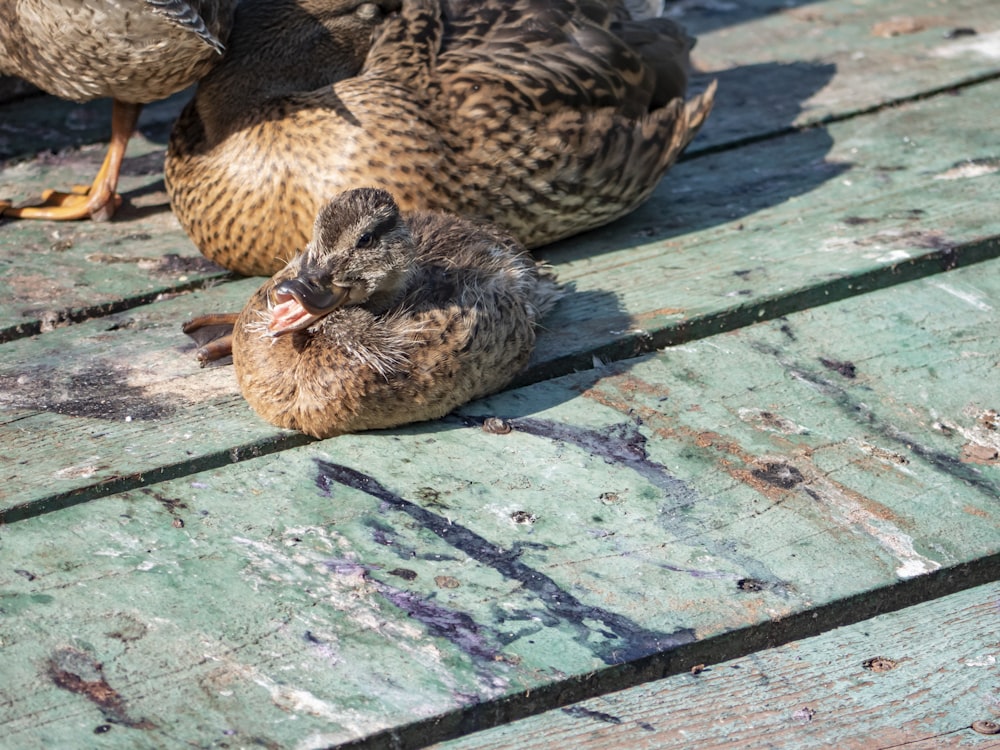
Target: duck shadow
{"points": [[751, 158], [701, 17], [518, 407], [758, 101], [39, 122], [759, 160]]}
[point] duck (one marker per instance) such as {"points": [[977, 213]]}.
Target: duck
{"points": [[134, 51], [546, 117], [387, 318]]}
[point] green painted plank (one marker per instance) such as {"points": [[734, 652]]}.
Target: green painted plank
{"points": [[932, 679], [906, 209], [812, 53], [787, 224], [54, 273], [796, 64], [638, 519]]}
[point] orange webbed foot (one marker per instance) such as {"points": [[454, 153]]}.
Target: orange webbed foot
{"points": [[99, 204], [99, 200]]}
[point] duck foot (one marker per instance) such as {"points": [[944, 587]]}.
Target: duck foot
{"points": [[100, 200], [213, 334]]}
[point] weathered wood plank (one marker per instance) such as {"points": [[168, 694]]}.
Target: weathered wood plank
{"points": [[682, 508], [932, 208], [787, 224], [779, 64], [797, 64], [920, 677], [52, 273], [640, 518]]}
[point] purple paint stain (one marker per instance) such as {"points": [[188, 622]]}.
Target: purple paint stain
{"points": [[621, 639], [344, 567], [457, 627]]}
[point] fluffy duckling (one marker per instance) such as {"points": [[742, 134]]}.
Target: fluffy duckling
{"points": [[388, 318], [547, 117], [135, 51]]}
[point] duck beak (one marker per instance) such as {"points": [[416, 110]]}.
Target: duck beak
{"points": [[298, 303]]}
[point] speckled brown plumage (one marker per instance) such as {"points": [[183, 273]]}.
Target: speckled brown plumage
{"points": [[419, 314], [548, 117], [134, 51]]}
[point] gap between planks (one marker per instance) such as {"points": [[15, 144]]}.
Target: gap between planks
{"points": [[930, 689]]}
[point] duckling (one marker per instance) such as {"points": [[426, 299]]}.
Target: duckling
{"points": [[135, 51], [388, 318], [547, 117]]}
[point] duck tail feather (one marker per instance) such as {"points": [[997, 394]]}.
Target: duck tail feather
{"points": [[185, 16]]}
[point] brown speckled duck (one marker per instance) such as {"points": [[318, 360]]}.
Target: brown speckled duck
{"points": [[135, 51], [388, 318], [548, 117]]}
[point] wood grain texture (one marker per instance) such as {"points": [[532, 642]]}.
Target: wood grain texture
{"points": [[778, 66], [796, 64], [878, 227], [179, 573], [638, 519], [918, 678], [56, 273]]}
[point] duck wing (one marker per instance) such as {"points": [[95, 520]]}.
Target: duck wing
{"points": [[188, 17]]}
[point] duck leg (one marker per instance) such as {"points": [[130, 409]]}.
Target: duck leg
{"points": [[99, 200], [214, 335]]}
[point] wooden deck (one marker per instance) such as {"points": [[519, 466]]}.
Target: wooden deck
{"points": [[749, 494]]}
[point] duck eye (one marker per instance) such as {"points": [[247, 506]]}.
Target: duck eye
{"points": [[367, 239]]}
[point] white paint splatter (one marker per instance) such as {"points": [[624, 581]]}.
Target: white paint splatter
{"points": [[296, 700], [854, 511], [894, 256], [968, 297], [913, 568], [984, 432], [968, 170], [984, 45], [986, 661], [79, 471]]}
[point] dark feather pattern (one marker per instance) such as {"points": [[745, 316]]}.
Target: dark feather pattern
{"points": [[547, 117], [187, 17]]}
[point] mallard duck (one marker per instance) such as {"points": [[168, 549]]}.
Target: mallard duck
{"points": [[546, 117], [388, 318], [135, 51]]}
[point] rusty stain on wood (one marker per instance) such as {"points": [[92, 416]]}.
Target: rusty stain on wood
{"points": [[615, 520], [77, 672]]}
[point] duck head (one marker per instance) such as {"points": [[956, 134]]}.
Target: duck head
{"points": [[360, 254]]}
